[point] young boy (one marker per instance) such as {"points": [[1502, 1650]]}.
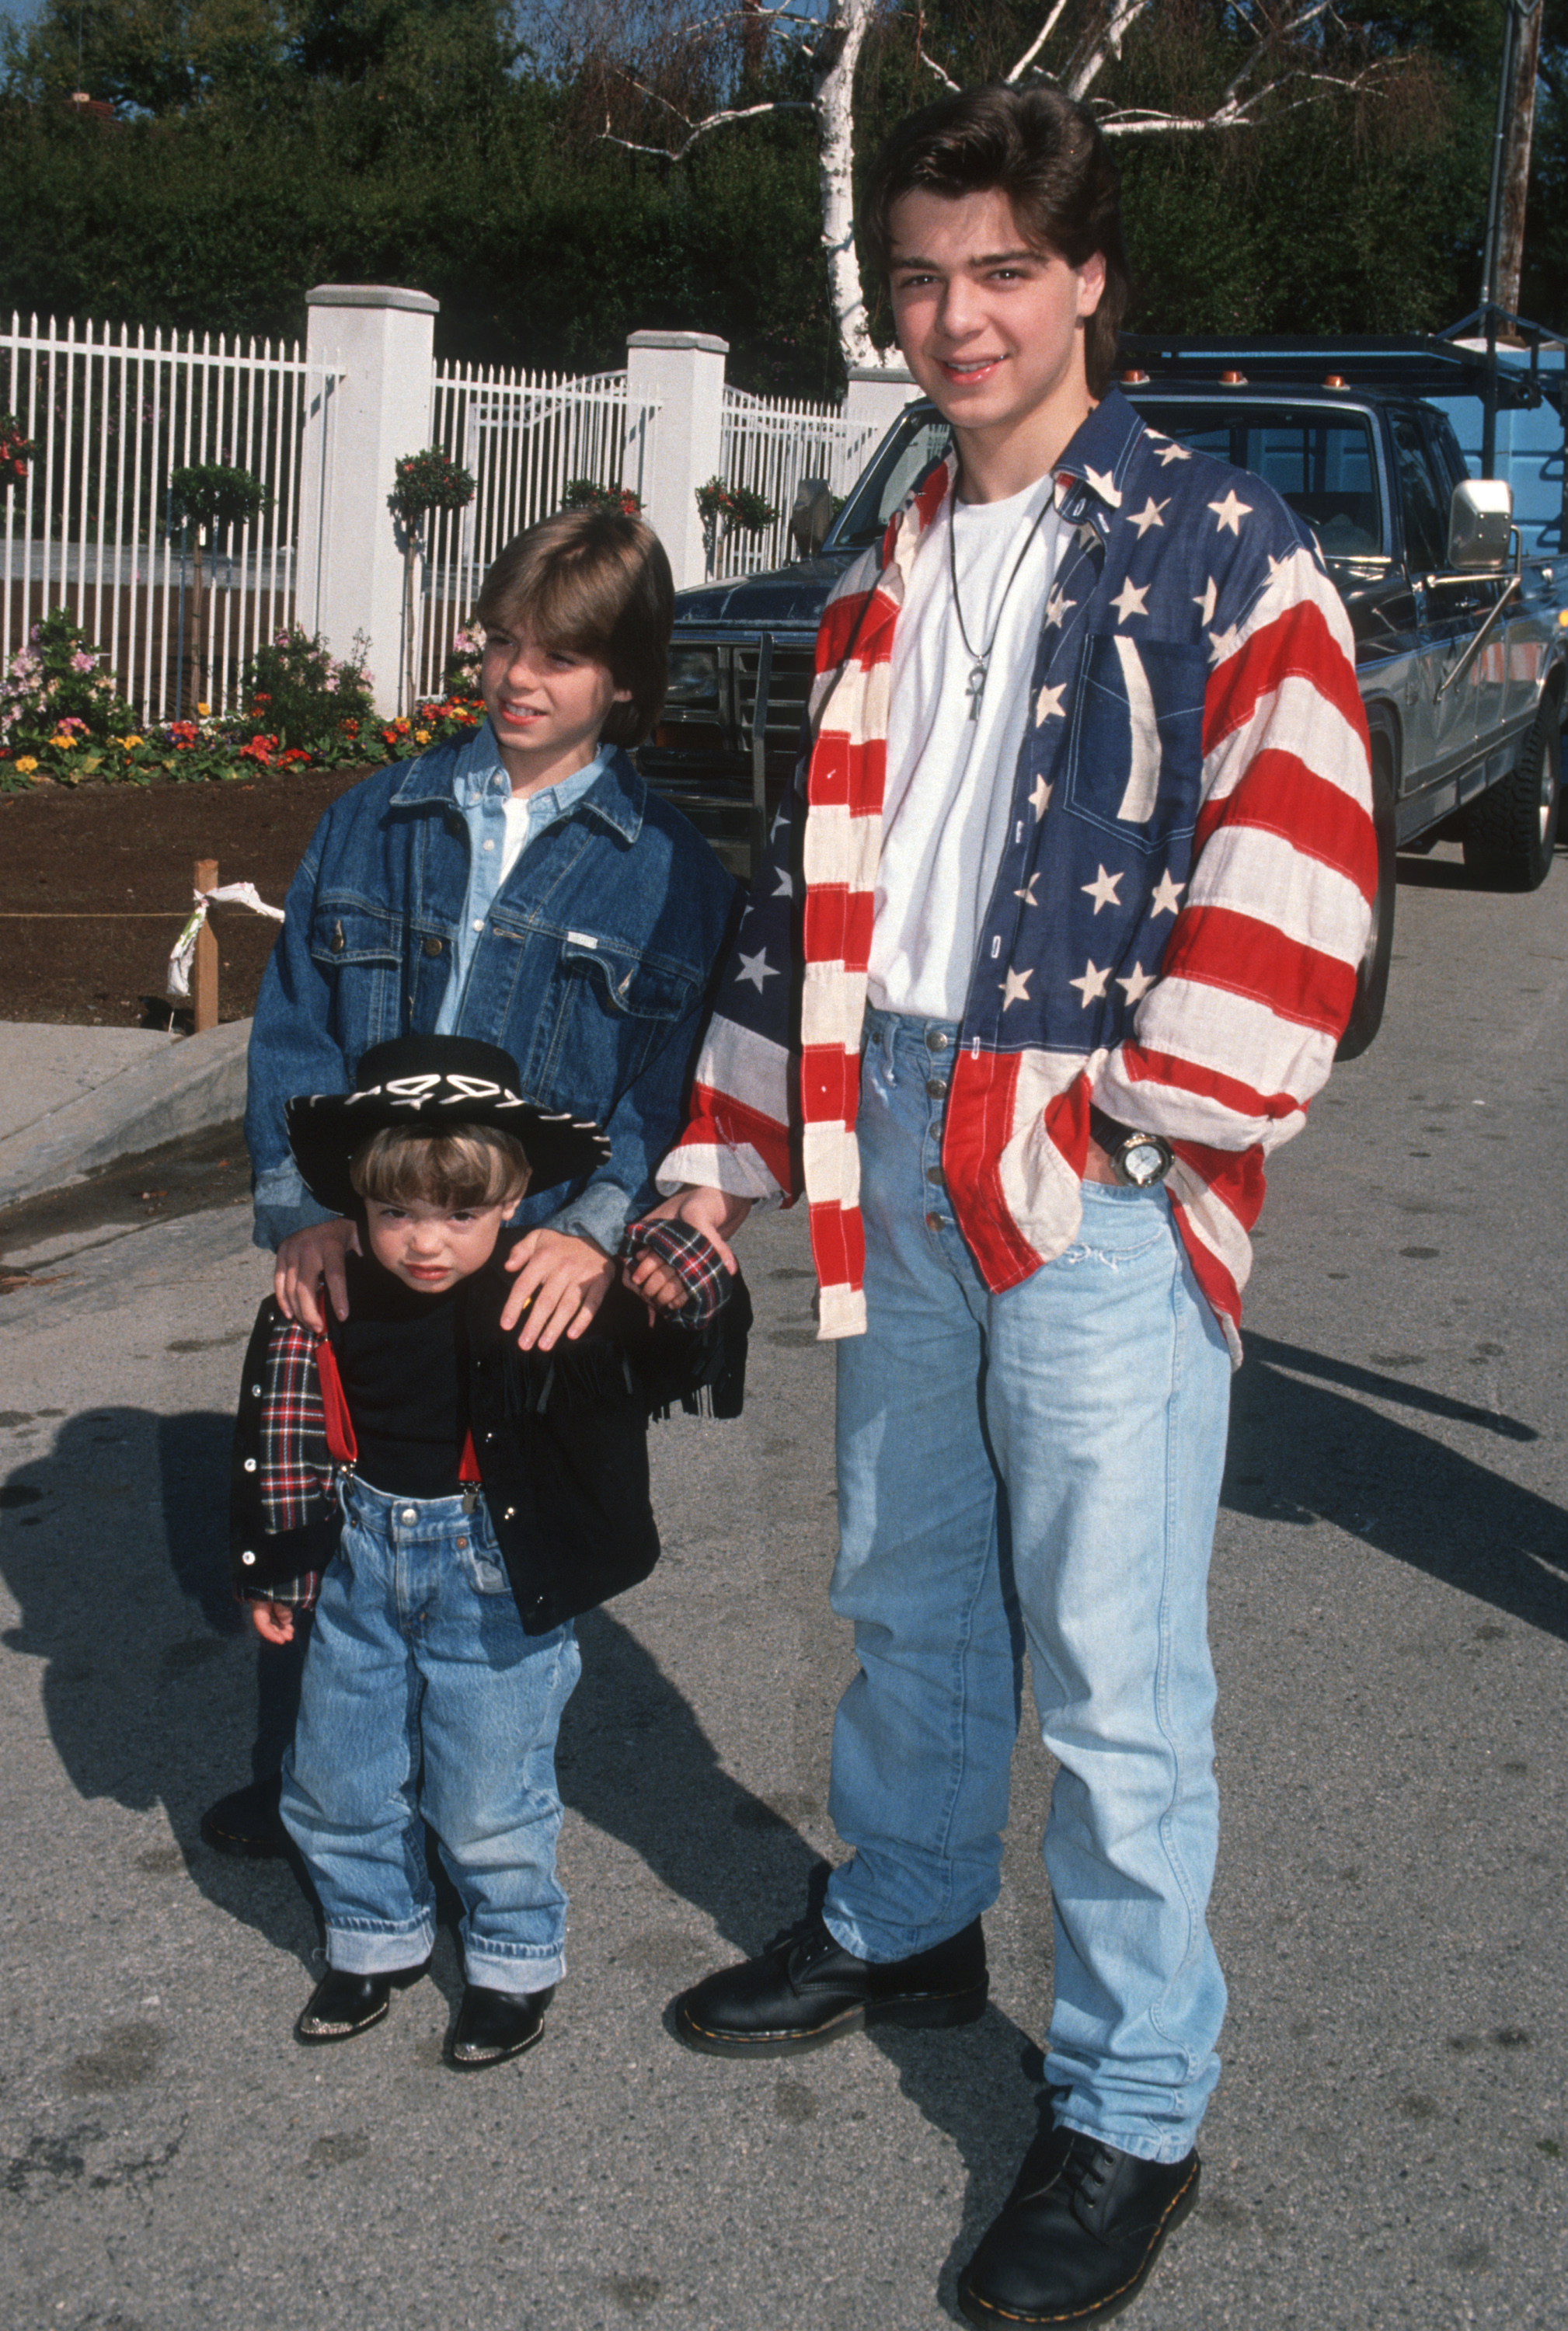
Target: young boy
{"points": [[522, 886], [449, 1503]]}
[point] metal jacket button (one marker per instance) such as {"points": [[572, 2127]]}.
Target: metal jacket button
{"points": [[432, 946], [934, 1173], [937, 1040], [935, 1089], [250, 1464]]}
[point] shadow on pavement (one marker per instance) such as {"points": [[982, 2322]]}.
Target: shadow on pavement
{"points": [[1304, 1451], [113, 1543]]}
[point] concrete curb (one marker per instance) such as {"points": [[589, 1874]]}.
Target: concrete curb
{"points": [[198, 1082]]}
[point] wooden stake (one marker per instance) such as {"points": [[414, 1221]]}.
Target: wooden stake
{"points": [[204, 971]]}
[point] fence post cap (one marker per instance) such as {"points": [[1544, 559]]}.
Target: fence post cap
{"points": [[896, 374], [371, 295], [710, 341]]}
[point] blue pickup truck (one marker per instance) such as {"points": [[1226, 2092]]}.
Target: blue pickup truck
{"points": [[1461, 638]]}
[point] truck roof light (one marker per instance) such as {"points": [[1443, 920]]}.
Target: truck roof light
{"points": [[1232, 380], [1334, 380], [1133, 377]]}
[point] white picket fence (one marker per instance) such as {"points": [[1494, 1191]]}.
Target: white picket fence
{"points": [[112, 416], [524, 437], [771, 444], [114, 413]]}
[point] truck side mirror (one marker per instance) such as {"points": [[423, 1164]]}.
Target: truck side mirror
{"points": [[1480, 521], [811, 516]]}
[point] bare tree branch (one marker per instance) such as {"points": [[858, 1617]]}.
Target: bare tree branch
{"points": [[1035, 46], [945, 77], [695, 130], [1100, 47]]}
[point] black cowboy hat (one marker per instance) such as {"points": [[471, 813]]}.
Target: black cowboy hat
{"points": [[435, 1084]]}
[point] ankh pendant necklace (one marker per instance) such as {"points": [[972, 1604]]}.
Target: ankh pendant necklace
{"points": [[980, 657]]}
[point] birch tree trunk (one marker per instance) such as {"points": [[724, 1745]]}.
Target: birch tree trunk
{"points": [[833, 99]]}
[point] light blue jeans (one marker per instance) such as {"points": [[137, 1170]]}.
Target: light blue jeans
{"points": [[1041, 1466], [423, 1697]]}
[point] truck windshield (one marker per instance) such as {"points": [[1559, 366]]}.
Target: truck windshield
{"points": [[920, 438], [1323, 465]]}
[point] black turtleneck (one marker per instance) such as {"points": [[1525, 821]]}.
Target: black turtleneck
{"points": [[402, 1354]]}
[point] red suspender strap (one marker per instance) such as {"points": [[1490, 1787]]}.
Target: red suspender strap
{"points": [[468, 1468], [341, 1442]]}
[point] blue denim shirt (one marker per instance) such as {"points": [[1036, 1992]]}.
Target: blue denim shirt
{"points": [[482, 789], [592, 971]]}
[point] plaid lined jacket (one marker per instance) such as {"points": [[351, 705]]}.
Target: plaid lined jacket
{"points": [[1182, 901], [560, 1440]]}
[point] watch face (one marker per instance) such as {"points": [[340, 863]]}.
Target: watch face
{"points": [[1144, 1161]]}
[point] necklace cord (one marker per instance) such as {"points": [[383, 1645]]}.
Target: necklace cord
{"points": [[981, 657]]}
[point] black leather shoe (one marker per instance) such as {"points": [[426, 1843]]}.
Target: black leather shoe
{"points": [[1078, 2236], [806, 1989], [247, 1823], [493, 2025], [343, 2005]]}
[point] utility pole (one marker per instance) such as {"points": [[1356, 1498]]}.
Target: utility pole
{"points": [[1502, 257]]}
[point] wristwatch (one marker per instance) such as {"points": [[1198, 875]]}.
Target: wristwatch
{"points": [[1138, 1160]]}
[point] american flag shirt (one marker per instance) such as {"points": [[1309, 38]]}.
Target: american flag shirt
{"points": [[1182, 902]]}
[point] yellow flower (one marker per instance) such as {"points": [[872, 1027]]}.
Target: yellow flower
{"points": [[422, 735], [63, 740], [204, 711], [26, 765], [128, 741]]}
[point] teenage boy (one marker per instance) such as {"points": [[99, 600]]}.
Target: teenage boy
{"points": [[1081, 891], [523, 887]]}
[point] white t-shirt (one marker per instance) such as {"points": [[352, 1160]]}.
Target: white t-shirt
{"points": [[948, 792]]}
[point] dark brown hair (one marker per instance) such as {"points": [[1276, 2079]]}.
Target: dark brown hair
{"points": [[595, 584], [474, 1166], [1043, 152]]}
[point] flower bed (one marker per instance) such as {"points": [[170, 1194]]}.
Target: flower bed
{"points": [[62, 722]]}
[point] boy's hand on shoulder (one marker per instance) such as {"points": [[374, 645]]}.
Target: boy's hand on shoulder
{"points": [[560, 1283], [309, 1261]]}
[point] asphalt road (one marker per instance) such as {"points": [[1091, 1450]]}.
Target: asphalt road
{"points": [[1389, 2142]]}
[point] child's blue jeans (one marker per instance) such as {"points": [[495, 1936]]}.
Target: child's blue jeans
{"points": [[423, 1695]]}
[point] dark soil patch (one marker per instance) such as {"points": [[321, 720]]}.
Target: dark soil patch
{"points": [[96, 882]]}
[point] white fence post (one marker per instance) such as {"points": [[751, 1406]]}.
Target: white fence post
{"points": [[383, 338], [875, 395], [683, 374]]}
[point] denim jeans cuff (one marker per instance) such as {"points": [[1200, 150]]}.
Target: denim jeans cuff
{"points": [[1142, 2143], [369, 1948], [519, 1972]]}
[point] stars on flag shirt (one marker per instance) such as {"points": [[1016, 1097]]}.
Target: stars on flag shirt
{"points": [[1181, 904]]}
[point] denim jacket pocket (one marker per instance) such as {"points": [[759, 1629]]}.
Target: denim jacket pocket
{"points": [[611, 1012], [360, 952], [1133, 760]]}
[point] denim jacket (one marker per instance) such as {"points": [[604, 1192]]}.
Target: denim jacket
{"points": [[592, 971]]}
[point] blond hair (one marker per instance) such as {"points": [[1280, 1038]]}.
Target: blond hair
{"points": [[473, 1165]]}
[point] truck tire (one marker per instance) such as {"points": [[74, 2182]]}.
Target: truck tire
{"points": [[1371, 976], [1509, 834]]}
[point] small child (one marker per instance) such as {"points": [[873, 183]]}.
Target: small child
{"points": [[448, 1503]]}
